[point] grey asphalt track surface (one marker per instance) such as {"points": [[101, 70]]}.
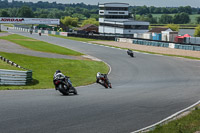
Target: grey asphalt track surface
{"points": [[146, 89]]}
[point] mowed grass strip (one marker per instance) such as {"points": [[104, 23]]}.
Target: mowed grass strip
{"points": [[37, 45], [82, 72], [186, 124]]}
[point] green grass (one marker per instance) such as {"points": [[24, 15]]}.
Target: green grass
{"points": [[82, 72], [3, 31], [39, 45], [4, 65], [8, 25], [187, 124], [77, 38]]}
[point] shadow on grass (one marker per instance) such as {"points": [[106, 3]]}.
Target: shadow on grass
{"points": [[34, 82]]}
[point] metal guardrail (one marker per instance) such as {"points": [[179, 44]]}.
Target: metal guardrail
{"points": [[14, 77]]}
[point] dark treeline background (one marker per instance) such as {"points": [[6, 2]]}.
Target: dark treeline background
{"points": [[83, 11]]}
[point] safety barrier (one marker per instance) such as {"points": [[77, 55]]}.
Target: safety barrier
{"points": [[160, 44], [14, 77], [150, 43]]}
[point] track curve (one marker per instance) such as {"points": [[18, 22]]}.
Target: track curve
{"points": [[146, 89]]}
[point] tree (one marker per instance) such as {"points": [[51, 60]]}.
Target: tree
{"points": [[69, 21], [4, 13], [173, 10], [166, 19], [165, 10], [173, 27], [26, 12], [198, 20], [13, 12], [197, 31], [96, 16], [181, 18], [79, 16], [90, 21]]}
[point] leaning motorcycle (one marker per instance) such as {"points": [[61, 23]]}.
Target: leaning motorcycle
{"points": [[130, 52], [62, 85], [104, 81]]}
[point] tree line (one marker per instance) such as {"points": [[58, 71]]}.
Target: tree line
{"points": [[143, 10], [81, 12]]}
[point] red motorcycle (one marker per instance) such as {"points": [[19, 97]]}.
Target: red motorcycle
{"points": [[103, 80]]}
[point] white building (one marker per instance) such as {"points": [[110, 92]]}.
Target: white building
{"points": [[114, 19]]}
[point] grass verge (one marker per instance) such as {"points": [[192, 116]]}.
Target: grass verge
{"points": [[39, 45], [82, 72], [4, 65], [3, 31], [76, 38], [186, 124], [8, 25]]}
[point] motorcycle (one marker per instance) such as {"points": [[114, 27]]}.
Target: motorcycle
{"points": [[103, 80], [130, 52], [63, 86]]}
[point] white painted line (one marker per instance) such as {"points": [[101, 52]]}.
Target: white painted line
{"points": [[166, 119]]}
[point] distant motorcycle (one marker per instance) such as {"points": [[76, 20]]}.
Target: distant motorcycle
{"points": [[62, 85], [103, 80], [130, 52]]}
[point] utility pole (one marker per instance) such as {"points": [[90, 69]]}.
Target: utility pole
{"points": [[0, 27]]}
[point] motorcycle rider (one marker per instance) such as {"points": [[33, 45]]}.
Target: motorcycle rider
{"points": [[99, 76], [59, 75]]}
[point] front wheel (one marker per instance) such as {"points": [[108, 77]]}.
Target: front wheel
{"points": [[75, 91], [63, 90], [105, 85], [110, 85]]}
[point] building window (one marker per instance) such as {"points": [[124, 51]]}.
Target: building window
{"points": [[136, 27], [113, 12]]}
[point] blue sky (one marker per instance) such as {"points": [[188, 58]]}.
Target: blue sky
{"points": [[162, 3]]}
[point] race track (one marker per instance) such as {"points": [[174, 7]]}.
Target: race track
{"points": [[146, 89]]}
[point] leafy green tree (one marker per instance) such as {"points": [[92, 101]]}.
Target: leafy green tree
{"points": [[26, 12], [148, 18], [4, 13], [69, 21], [165, 10], [79, 16], [173, 27], [181, 18], [96, 16], [166, 19], [90, 21], [198, 20], [197, 31], [173, 10], [13, 12], [158, 10], [152, 9], [142, 10]]}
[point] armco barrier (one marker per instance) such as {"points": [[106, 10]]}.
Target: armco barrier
{"points": [[162, 44], [14, 77]]}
